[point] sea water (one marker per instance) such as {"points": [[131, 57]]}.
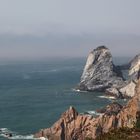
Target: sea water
{"points": [[34, 94]]}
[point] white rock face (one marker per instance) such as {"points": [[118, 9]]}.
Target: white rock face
{"points": [[135, 68], [100, 72], [87, 73], [129, 89]]}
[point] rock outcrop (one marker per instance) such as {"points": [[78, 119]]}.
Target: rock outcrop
{"points": [[73, 126], [128, 89], [111, 108], [134, 68], [100, 74]]}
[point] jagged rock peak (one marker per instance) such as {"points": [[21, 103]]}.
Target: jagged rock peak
{"points": [[100, 72], [101, 47], [71, 113]]}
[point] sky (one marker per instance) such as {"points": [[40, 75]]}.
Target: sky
{"points": [[36, 29]]}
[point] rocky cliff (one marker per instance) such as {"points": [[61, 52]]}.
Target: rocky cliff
{"points": [[100, 74], [73, 126]]}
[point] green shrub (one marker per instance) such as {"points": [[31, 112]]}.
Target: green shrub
{"points": [[118, 134]]}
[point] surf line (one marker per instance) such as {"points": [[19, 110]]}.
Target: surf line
{"points": [[6, 133]]}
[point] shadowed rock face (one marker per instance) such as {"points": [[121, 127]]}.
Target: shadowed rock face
{"points": [[73, 126], [112, 108], [100, 73], [134, 68]]}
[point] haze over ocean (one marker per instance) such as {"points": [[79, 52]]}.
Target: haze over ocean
{"points": [[42, 29]]}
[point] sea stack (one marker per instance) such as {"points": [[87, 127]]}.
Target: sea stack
{"points": [[100, 73]]}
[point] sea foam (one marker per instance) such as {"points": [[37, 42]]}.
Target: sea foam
{"points": [[4, 132], [107, 97]]}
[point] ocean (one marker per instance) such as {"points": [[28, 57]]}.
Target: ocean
{"points": [[34, 94]]}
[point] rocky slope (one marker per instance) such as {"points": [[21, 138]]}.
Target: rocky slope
{"points": [[100, 74], [73, 126]]}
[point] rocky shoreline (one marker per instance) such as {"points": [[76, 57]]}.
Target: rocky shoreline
{"points": [[100, 74], [74, 126]]}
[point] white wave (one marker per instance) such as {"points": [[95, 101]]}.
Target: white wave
{"points": [[67, 68], [19, 137], [93, 112], [78, 90], [4, 132], [107, 97]]}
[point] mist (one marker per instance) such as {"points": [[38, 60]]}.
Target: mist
{"points": [[47, 29]]}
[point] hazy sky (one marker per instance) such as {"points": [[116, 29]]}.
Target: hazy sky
{"points": [[32, 29]]}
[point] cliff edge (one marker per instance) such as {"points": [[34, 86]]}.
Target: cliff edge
{"points": [[73, 126]]}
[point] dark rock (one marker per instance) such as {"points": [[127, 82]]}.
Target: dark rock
{"points": [[113, 108], [138, 74]]}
